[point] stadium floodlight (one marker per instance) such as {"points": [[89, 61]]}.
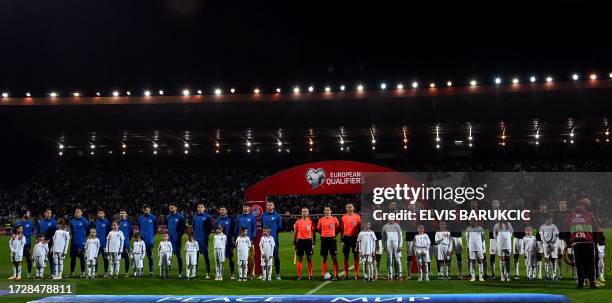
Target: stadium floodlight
{"points": [[607, 132], [123, 145], [147, 93], [470, 144], [610, 75], [256, 91], [248, 150], [216, 151], [342, 87], [232, 90], [155, 145], [248, 143], [593, 76], [532, 79], [360, 87], [28, 94], [186, 151], [327, 89], [438, 146], [549, 79], [76, 94], [279, 143], [437, 139], [60, 153], [473, 83], [415, 84], [449, 83], [186, 92], [5, 95], [115, 94], [296, 90], [160, 92], [311, 89], [217, 144], [400, 86], [123, 152], [218, 91], [498, 80], [341, 141], [571, 134], [405, 146], [537, 136], [373, 147], [92, 146], [310, 149], [575, 77], [186, 145], [155, 152], [199, 91], [98, 94], [278, 90], [53, 94], [129, 93], [432, 85], [515, 81], [61, 146], [383, 86], [373, 141]]}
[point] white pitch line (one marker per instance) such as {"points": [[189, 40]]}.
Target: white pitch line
{"points": [[323, 284]]}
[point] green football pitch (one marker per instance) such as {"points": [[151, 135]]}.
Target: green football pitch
{"points": [[289, 285]]}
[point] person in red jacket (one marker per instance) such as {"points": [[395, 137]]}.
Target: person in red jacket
{"points": [[582, 228]]}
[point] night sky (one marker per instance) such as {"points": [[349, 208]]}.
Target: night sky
{"points": [[173, 44]]}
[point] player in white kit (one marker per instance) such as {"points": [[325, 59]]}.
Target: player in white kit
{"points": [[114, 248], [243, 247], [219, 244], [503, 238], [476, 249], [392, 240], [138, 253], [92, 249], [550, 238], [164, 251], [191, 255], [16, 244], [366, 245], [266, 248], [530, 249], [421, 251], [41, 251], [61, 239], [445, 250]]}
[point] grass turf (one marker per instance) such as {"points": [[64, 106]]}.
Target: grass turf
{"points": [[288, 285]]}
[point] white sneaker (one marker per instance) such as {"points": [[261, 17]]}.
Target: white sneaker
{"points": [[278, 277], [472, 279], [420, 278], [481, 279], [427, 278]]}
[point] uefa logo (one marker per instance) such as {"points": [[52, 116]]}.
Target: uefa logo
{"points": [[315, 177]]}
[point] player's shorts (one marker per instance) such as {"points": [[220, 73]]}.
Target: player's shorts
{"points": [[392, 249], [502, 252], [16, 257], [540, 247], [422, 254], [243, 255], [550, 251], [303, 246], [517, 248], [267, 261], [165, 259], [493, 246], [457, 245], [476, 254], [328, 246], [410, 248], [444, 252], [192, 258], [365, 258], [350, 244]]}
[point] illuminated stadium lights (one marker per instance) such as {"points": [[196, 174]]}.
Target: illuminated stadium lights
{"points": [[5, 95], [432, 85], [98, 94], [232, 90], [92, 146], [575, 77], [342, 88], [155, 152], [383, 86], [400, 86], [279, 150], [123, 152], [498, 80], [186, 151], [155, 145], [593, 76], [327, 89], [186, 145], [279, 143], [438, 146], [248, 150], [76, 94], [52, 94], [256, 91], [199, 91], [123, 145], [311, 89], [160, 92], [61, 146], [296, 90], [610, 75], [216, 151], [515, 81], [473, 83], [186, 92], [248, 143], [373, 141], [278, 90], [532, 79], [129, 93], [115, 94], [373, 147], [359, 87], [28, 94], [415, 84], [60, 153], [218, 91], [449, 83], [549, 79], [217, 144], [92, 153], [147, 93]]}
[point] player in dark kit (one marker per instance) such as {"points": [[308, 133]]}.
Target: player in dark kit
{"points": [[350, 225]]}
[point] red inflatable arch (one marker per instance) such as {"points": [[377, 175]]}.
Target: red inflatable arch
{"points": [[317, 178]]}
